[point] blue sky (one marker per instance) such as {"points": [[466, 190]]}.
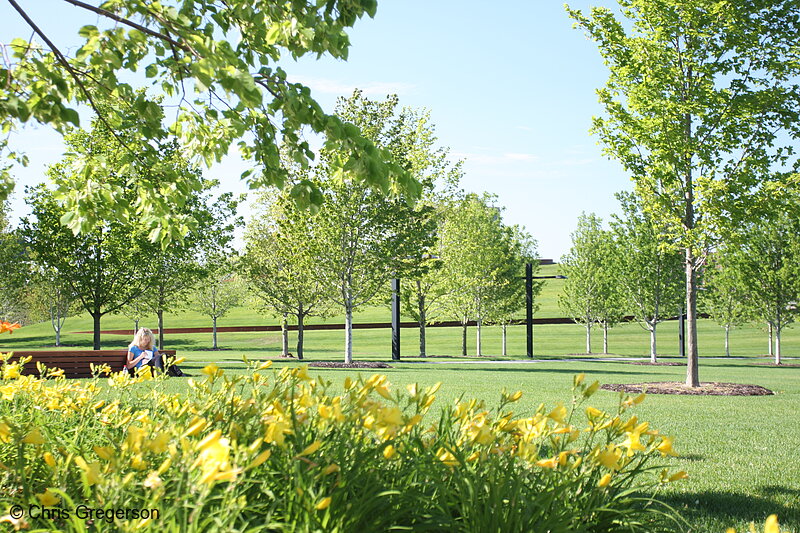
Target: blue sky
{"points": [[510, 87]]}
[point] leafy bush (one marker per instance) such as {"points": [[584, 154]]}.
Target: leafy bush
{"points": [[280, 450]]}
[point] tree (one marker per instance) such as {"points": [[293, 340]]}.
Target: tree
{"points": [[280, 264], [766, 259], [590, 293], [702, 101], [13, 270], [50, 298], [219, 292], [218, 63], [365, 238], [475, 251], [510, 298], [724, 297], [177, 268], [650, 270], [422, 296], [103, 268]]}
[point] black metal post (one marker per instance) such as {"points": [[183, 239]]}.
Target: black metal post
{"points": [[529, 307], [682, 333], [395, 319]]}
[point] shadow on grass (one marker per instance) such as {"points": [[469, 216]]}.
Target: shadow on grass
{"points": [[726, 507]]}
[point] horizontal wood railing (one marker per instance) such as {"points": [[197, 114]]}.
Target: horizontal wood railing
{"points": [[362, 325]]}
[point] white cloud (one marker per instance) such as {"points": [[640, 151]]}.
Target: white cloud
{"points": [[373, 88]]}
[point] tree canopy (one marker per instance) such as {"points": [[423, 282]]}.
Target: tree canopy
{"points": [[218, 65], [702, 104]]}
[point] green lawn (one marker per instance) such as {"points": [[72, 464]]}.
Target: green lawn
{"points": [[741, 452]]}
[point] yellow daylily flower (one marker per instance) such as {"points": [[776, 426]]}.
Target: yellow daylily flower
{"points": [[34, 436], [678, 476], [389, 452], [311, 448], [49, 459], [48, 498], [260, 458], [547, 463], [558, 414], [771, 525], [91, 470], [604, 481], [330, 469], [666, 447], [323, 504]]}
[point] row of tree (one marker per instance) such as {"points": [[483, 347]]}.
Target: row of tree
{"points": [[456, 257], [636, 268]]}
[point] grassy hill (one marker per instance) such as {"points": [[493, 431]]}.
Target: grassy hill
{"points": [[550, 340]]}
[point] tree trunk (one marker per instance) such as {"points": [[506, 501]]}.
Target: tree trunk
{"points": [[692, 354], [505, 340], [778, 344], [214, 331], [58, 337], [653, 351], [769, 348], [96, 335], [478, 339], [285, 335], [300, 329], [605, 337], [135, 326], [464, 338], [348, 333], [160, 315], [727, 340], [588, 337], [423, 320]]}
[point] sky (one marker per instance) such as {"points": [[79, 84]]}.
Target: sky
{"points": [[510, 87]]}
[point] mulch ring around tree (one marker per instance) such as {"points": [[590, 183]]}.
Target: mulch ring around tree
{"points": [[354, 364], [778, 366], [678, 387]]}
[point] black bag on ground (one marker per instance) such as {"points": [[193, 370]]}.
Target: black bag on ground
{"points": [[174, 371]]}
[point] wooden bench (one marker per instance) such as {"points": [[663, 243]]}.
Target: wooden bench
{"points": [[75, 363]]}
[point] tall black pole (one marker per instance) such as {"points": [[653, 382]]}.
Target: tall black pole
{"points": [[395, 319], [682, 333], [529, 307]]}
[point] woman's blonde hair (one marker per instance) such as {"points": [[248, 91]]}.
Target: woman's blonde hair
{"points": [[144, 333]]}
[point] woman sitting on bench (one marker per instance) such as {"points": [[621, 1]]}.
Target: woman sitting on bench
{"points": [[142, 351]]}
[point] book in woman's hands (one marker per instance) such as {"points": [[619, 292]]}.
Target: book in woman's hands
{"points": [[148, 355]]}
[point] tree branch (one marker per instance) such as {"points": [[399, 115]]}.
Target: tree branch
{"points": [[128, 22], [63, 61]]}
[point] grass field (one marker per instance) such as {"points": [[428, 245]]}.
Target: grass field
{"points": [[742, 453]]}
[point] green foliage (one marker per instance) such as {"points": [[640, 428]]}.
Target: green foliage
{"points": [[282, 451], [221, 290], [14, 273], [218, 63], [364, 238], [105, 268], [701, 105], [483, 261], [765, 265], [280, 264], [591, 290], [725, 297], [649, 268]]}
